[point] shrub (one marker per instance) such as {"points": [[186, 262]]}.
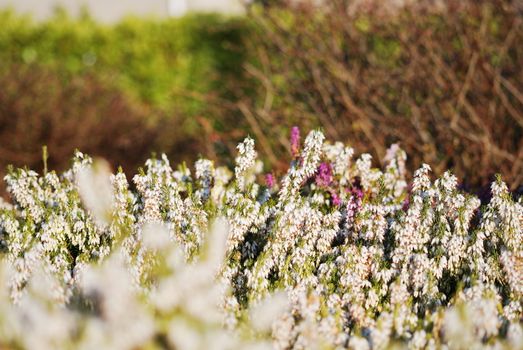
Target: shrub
{"points": [[365, 259], [137, 82], [40, 107], [153, 60], [444, 80]]}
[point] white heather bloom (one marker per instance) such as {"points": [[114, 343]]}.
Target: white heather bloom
{"points": [[183, 336], [204, 175], [515, 335], [512, 310], [395, 172], [340, 156], [421, 178], [155, 236], [367, 175], [94, 185], [27, 193], [358, 343], [266, 312], [472, 320], [244, 162], [458, 330], [219, 189], [182, 175], [419, 340], [311, 152], [217, 243], [513, 269], [309, 161]]}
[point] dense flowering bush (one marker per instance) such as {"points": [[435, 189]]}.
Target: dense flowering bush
{"points": [[337, 254]]}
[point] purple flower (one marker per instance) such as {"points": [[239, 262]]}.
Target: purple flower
{"points": [[353, 207], [324, 175], [354, 203], [356, 192], [269, 180], [336, 200], [295, 141], [406, 204]]}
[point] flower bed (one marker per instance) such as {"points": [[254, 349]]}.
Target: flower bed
{"points": [[336, 254]]}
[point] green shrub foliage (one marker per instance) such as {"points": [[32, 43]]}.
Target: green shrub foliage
{"points": [[150, 59]]}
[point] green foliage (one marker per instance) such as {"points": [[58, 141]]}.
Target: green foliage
{"points": [[150, 59]]}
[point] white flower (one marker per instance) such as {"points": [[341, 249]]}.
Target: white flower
{"points": [[94, 185], [244, 162], [265, 313]]}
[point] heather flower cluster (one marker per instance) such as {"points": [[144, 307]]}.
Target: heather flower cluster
{"points": [[335, 254]]}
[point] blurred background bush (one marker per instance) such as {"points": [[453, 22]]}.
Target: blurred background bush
{"points": [[444, 79], [118, 91]]}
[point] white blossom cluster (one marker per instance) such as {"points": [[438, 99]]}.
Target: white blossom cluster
{"points": [[336, 255]]}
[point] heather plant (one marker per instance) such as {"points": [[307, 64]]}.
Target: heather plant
{"points": [[335, 254]]}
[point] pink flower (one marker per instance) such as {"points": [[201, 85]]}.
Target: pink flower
{"points": [[336, 200], [353, 207], [269, 180], [324, 175], [357, 192], [406, 204], [295, 141]]}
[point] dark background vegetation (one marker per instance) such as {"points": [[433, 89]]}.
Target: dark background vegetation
{"points": [[445, 81], [120, 92]]}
